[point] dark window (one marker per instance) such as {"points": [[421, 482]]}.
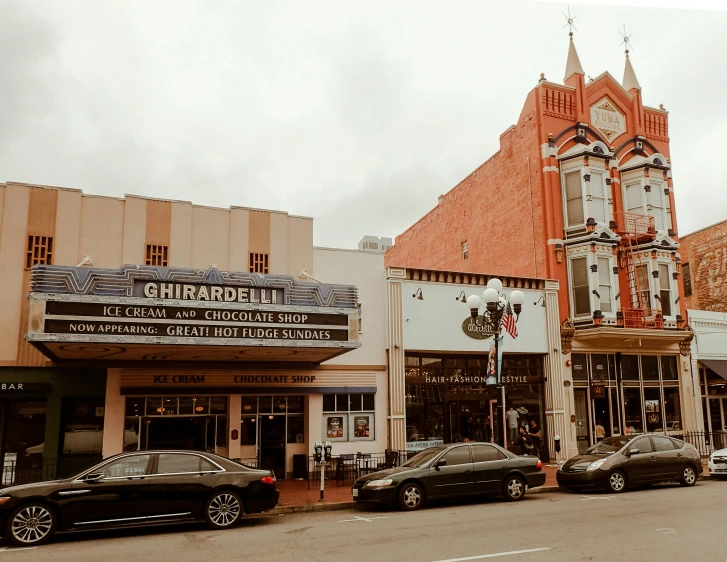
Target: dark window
{"points": [[295, 429], [458, 455], [669, 368], [82, 424], [643, 445], [630, 367], [266, 404], [248, 431], [484, 453], [156, 254], [39, 251], [355, 402], [368, 402], [218, 405], [174, 464], [249, 404], [599, 367], [341, 402], [687, 278], [295, 404], [632, 409], [652, 405], [134, 465], [329, 402], [259, 263], [663, 443], [650, 367], [279, 405], [580, 370], [134, 407]]}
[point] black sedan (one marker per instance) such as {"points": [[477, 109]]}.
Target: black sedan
{"points": [[631, 461], [451, 471], [137, 489]]}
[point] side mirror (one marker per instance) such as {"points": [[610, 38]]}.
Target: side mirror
{"points": [[440, 462], [93, 478], [632, 452]]}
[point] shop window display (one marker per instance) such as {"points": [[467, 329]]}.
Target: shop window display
{"points": [[348, 417]]}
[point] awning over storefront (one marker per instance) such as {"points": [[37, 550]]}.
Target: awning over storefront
{"points": [[144, 313], [719, 367]]}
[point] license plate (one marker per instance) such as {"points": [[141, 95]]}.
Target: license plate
{"points": [[721, 466], [354, 492]]}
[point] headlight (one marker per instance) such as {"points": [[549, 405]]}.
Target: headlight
{"points": [[379, 483], [596, 464]]}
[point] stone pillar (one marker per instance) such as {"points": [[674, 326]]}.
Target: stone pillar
{"points": [[558, 399], [114, 413], [397, 387]]}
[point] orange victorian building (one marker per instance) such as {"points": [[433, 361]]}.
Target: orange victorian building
{"points": [[581, 193]]}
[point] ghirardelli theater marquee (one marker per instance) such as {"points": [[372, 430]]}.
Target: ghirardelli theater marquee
{"points": [[144, 313]]}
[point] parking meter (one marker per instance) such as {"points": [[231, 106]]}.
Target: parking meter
{"points": [[327, 451], [318, 451], [556, 439]]}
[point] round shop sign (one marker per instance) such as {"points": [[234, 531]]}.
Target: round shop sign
{"points": [[475, 331]]}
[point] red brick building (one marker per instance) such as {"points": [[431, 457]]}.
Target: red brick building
{"points": [[704, 259], [581, 193]]}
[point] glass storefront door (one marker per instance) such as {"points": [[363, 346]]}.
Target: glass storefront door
{"points": [[272, 444], [24, 439], [580, 396]]}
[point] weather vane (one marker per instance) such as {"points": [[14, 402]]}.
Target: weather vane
{"points": [[626, 40], [569, 22]]}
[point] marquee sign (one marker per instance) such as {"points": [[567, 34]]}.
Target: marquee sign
{"points": [[154, 313]]}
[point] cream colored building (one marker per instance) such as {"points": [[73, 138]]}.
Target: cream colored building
{"points": [[93, 251]]}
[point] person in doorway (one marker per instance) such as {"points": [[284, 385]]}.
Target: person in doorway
{"points": [[534, 434], [600, 431], [512, 424], [525, 442]]}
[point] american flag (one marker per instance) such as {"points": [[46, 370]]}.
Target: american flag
{"points": [[508, 322]]}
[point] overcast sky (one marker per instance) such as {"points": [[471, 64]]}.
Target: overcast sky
{"points": [[356, 113]]}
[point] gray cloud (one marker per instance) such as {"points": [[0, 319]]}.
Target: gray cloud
{"points": [[357, 114]]}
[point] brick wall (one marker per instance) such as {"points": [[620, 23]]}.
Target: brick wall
{"points": [[493, 210], [706, 253]]}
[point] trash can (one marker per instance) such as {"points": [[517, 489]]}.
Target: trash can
{"points": [[300, 467]]}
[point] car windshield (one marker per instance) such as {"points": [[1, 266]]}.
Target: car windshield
{"points": [[424, 457], [609, 445]]}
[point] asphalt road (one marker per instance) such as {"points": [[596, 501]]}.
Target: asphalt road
{"points": [[663, 523]]}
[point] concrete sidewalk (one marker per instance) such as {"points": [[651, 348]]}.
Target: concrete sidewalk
{"points": [[296, 496]]}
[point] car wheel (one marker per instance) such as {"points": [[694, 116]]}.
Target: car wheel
{"points": [[31, 524], [411, 496], [689, 476], [223, 510], [514, 488], [617, 481]]}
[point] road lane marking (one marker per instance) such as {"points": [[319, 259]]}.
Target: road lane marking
{"points": [[667, 531], [596, 498], [367, 519], [494, 555], [6, 549]]}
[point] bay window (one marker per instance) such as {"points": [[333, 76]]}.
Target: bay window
{"points": [[644, 196], [665, 289], [579, 193], [584, 284]]}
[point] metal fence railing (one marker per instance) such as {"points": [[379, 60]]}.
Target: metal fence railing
{"points": [[706, 442], [28, 471], [345, 469]]}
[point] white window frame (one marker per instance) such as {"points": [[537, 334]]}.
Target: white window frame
{"points": [[593, 278], [648, 198], [595, 166]]}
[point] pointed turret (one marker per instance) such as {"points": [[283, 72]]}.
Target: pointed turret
{"points": [[573, 66], [630, 82]]}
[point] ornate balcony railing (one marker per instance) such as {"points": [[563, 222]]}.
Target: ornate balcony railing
{"points": [[643, 318]]}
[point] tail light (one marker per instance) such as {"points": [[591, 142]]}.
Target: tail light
{"points": [[268, 480], [539, 464]]}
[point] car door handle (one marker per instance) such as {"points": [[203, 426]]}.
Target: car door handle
{"points": [[73, 492], [653, 459]]}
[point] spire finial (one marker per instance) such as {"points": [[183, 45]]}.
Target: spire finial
{"points": [[569, 23], [626, 40], [630, 81]]}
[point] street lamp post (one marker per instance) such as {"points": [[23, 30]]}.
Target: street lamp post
{"points": [[496, 305]]}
